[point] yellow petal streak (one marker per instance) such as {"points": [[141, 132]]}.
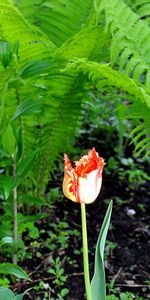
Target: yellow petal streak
{"points": [[67, 183]]}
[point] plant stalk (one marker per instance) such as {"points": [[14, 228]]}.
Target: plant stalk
{"points": [[85, 253], [15, 224]]}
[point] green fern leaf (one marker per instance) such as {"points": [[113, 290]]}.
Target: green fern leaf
{"points": [[130, 40]]}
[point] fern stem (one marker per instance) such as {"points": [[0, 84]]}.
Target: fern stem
{"points": [[15, 224], [85, 253]]}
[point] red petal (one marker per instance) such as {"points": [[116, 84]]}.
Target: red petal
{"points": [[67, 164], [89, 163]]}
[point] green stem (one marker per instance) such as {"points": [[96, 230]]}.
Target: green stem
{"points": [[15, 226], [85, 253]]}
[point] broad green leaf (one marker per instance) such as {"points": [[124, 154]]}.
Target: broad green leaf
{"points": [[112, 297], [25, 198], [123, 296], [28, 107], [64, 292], [5, 53], [112, 163], [6, 240], [98, 281], [25, 165], [33, 230], [34, 68], [19, 297], [8, 268], [9, 140], [6, 294], [22, 219], [7, 183]]}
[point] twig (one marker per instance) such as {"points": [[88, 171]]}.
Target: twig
{"points": [[51, 277], [132, 285], [117, 274], [37, 268]]}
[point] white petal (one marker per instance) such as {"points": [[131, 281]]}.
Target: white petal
{"points": [[90, 186]]}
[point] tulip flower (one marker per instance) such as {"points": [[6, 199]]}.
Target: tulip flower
{"points": [[83, 182]]}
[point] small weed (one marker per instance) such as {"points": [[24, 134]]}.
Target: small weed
{"points": [[57, 270]]}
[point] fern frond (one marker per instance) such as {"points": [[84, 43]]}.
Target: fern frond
{"points": [[130, 40], [59, 134], [83, 44], [34, 44], [141, 133], [103, 75], [141, 7], [60, 20]]}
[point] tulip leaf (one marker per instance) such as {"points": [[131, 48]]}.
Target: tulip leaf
{"points": [[98, 285]]}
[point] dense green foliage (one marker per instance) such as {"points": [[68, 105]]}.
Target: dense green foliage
{"points": [[54, 53]]}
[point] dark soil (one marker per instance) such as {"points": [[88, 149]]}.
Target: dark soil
{"points": [[127, 259]]}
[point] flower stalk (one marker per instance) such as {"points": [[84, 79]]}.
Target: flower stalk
{"points": [[85, 253], [82, 184]]}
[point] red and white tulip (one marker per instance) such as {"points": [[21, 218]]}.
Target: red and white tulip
{"points": [[83, 182]]}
